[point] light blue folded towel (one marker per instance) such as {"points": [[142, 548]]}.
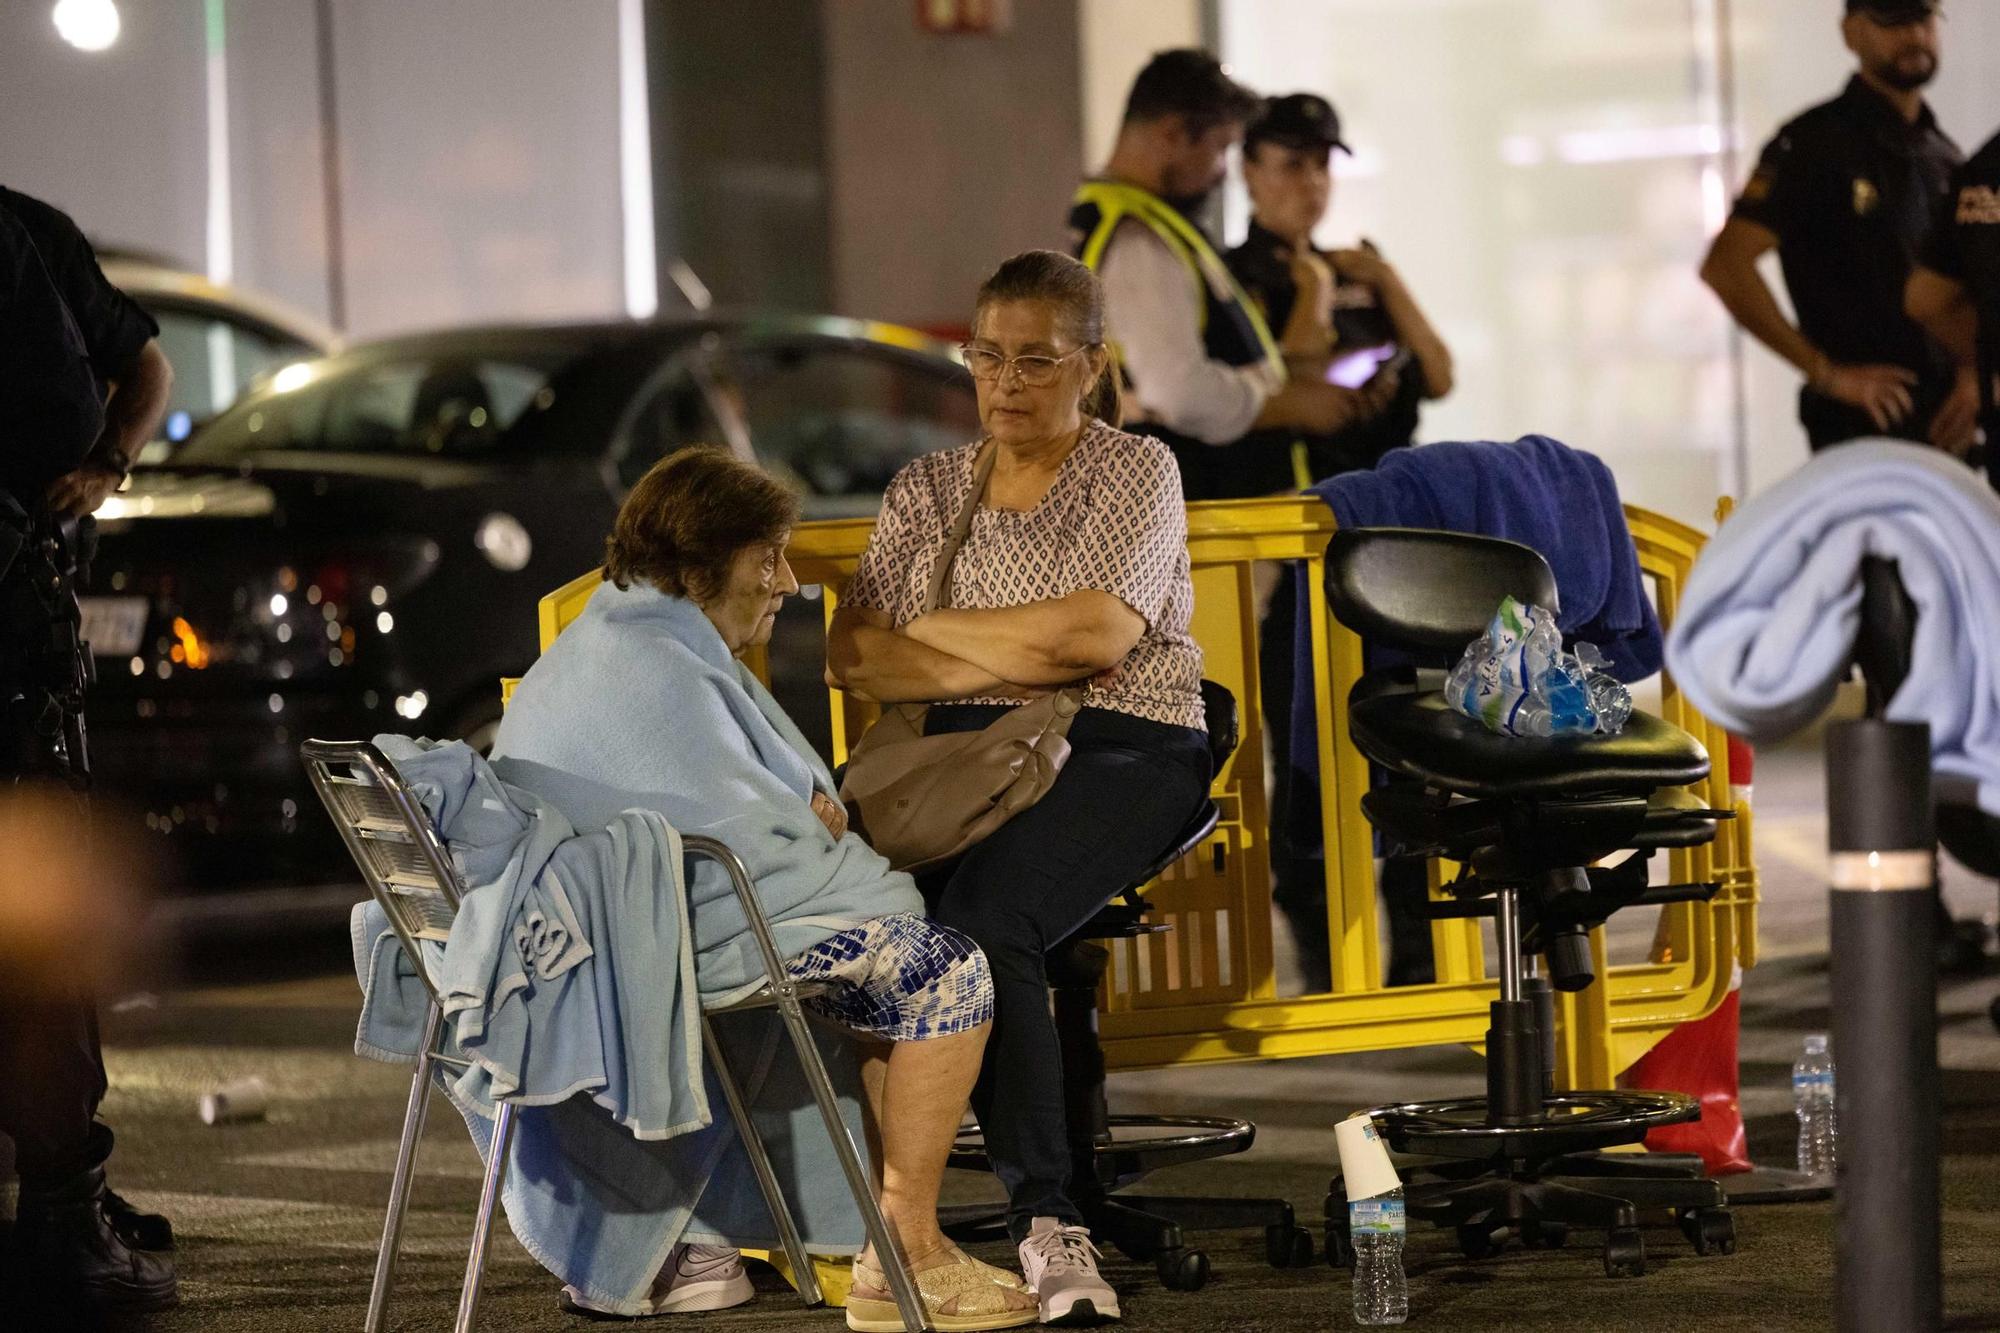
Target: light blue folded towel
{"points": [[1767, 623]]}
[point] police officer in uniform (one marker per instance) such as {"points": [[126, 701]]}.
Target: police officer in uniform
{"points": [[83, 383], [1955, 292], [1201, 369], [1338, 314], [1343, 316], [1846, 193]]}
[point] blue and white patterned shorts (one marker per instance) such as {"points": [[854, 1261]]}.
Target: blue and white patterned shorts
{"points": [[899, 978]]}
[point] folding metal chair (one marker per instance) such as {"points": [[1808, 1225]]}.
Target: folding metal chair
{"points": [[411, 876]]}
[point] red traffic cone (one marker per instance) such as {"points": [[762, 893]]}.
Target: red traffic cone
{"points": [[1699, 1058]]}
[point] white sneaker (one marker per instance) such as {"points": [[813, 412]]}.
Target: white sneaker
{"points": [[694, 1277], [1060, 1264]]}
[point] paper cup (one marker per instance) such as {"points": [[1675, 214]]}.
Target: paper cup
{"points": [[244, 1099], [1365, 1168]]}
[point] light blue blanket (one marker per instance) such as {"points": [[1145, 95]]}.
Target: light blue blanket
{"points": [[1768, 619], [583, 947], [639, 705]]}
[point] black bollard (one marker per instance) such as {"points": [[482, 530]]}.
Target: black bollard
{"points": [[1884, 877]]}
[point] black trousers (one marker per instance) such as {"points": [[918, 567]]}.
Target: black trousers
{"points": [[1299, 876], [51, 1083], [51, 1067], [1129, 788]]}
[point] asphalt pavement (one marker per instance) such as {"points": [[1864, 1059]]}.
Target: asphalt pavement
{"points": [[279, 1217]]}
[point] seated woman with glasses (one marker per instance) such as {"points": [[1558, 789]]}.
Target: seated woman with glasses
{"points": [[1075, 570], [643, 702]]}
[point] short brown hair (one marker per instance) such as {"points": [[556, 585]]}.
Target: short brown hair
{"points": [[689, 516]]}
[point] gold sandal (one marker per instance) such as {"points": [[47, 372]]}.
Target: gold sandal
{"points": [[1000, 1276], [958, 1297]]}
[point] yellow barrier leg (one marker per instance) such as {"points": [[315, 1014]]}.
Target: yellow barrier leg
{"points": [[835, 1274]]}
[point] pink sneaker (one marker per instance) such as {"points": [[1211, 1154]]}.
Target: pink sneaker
{"points": [[695, 1277]]}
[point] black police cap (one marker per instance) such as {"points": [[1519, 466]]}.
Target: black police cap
{"points": [[1890, 13], [1300, 120]]}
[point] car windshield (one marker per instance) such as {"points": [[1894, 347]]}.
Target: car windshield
{"points": [[213, 360], [454, 404]]}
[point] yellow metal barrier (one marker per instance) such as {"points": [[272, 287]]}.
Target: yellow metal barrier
{"points": [[1205, 990]]}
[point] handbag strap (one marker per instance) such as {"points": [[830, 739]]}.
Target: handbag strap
{"points": [[961, 527]]}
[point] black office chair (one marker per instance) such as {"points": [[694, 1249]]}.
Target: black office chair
{"points": [[1525, 818], [1109, 1152], [1882, 651]]}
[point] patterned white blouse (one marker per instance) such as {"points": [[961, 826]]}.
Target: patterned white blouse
{"points": [[1113, 520]]}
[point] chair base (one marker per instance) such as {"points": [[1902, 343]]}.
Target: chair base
{"points": [[1540, 1203]]}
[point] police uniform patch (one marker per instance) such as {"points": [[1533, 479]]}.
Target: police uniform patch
{"points": [[1866, 196], [1978, 204]]}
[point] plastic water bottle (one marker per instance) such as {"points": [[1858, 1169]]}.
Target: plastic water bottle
{"points": [[1812, 1097], [1381, 1295]]}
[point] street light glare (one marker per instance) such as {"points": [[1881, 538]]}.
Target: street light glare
{"points": [[88, 25]]}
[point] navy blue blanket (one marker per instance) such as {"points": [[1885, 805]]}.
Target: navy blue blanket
{"points": [[1539, 492]]}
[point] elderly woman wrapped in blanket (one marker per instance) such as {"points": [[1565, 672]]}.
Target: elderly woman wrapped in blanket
{"points": [[641, 715]]}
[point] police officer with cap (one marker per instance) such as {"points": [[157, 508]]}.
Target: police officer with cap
{"points": [[1345, 317], [1339, 315], [1846, 194], [1955, 292], [83, 383]]}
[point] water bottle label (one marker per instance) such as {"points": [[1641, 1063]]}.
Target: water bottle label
{"points": [[1375, 1217], [1819, 1081]]}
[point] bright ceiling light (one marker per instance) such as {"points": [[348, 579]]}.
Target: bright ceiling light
{"points": [[88, 25]]}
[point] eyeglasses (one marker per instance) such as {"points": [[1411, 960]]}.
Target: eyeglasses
{"points": [[1037, 372]]}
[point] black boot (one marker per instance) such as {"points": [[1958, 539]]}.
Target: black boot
{"points": [[70, 1256], [140, 1231]]}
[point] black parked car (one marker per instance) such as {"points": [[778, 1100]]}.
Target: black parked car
{"points": [[358, 544]]}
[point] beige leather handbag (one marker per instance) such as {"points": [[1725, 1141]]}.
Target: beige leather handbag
{"points": [[920, 800]]}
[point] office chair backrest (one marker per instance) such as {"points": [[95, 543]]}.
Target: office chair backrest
{"points": [[1428, 592]]}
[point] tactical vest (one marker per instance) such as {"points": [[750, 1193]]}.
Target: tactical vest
{"points": [[1233, 332]]}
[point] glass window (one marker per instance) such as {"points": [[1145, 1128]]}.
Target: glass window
{"points": [[452, 407], [213, 361], [841, 418], [673, 413]]}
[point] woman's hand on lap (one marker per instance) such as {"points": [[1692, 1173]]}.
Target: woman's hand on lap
{"points": [[831, 813]]}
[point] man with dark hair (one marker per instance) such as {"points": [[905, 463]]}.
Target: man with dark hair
{"points": [[82, 385], [1955, 291], [1846, 194], [1201, 368]]}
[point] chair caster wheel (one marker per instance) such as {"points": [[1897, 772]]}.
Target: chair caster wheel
{"points": [[1625, 1254], [1288, 1247], [1710, 1230], [1339, 1244], [1477, 1240], [1182, 1270], [1545, 1235]]}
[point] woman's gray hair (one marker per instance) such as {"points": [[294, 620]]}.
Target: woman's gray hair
{"points": [[1076, 295]]}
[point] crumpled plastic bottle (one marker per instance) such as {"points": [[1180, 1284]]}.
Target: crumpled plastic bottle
{"points": [[1518, 681]]}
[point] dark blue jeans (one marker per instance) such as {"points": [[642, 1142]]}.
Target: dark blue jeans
{"points": [[1129, 788]]}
